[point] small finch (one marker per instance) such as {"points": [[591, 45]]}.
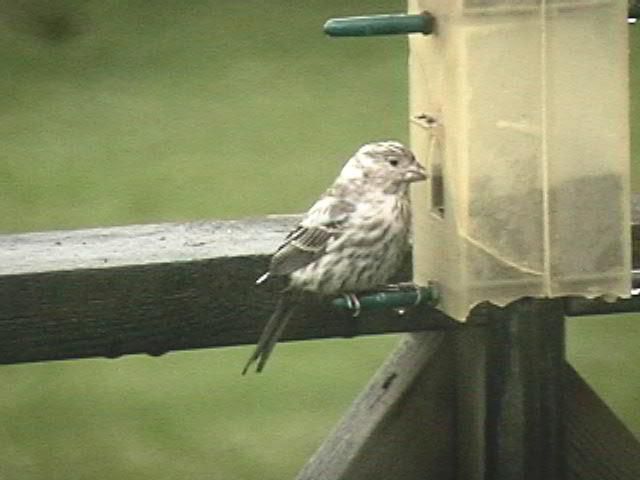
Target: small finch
{"points": [[353, 238]]}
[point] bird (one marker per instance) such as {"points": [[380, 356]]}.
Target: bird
{"points": [[352, 239]]}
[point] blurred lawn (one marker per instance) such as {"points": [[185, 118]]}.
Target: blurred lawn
{"points": [[116, 113]]}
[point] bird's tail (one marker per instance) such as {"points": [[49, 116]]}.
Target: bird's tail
{"points": [[272, 331]]}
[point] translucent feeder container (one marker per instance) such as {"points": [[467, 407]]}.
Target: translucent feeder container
{"points": [[519, 110]]}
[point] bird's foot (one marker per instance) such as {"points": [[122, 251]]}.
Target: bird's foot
{"points": [[352, 303]]}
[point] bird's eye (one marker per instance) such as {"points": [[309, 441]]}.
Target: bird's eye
{"points": [[393, 162]]}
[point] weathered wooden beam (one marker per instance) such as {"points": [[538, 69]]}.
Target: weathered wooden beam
{"points": [[402, 425], [509, 383], [599, 446], [578, 306], [156, 288], [524, 429]]}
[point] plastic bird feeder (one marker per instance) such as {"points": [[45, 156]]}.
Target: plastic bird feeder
{"points": [[519, 110]]}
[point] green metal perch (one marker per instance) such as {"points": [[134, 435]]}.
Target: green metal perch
{"points": [[402, 296], [395, 24]]}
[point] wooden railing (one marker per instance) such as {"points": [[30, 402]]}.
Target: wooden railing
{"points": [[492, 399]]}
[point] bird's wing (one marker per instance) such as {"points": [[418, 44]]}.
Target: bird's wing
{"points": [[322, 225]]}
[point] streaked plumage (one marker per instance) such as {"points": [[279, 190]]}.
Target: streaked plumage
{"points": [[352, 239]]}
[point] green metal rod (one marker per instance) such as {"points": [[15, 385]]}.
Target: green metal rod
{"points": [[402, 298], [380, 25]]}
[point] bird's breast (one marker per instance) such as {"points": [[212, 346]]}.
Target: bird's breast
{"points": [[368, 252]]}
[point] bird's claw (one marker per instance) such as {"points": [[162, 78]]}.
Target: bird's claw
{"points": [[418, 291], [353, 303]]}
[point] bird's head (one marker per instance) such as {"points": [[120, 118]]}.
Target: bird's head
{"points": [[388, 165]]}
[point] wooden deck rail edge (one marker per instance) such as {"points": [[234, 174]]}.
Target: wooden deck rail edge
{"points": [[152, 289], [108, 292]]}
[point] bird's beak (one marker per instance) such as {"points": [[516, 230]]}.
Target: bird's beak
{"points": [[415, 174]]}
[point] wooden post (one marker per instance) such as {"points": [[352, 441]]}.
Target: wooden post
{"points": [[509, 384], [525, 360], [512, 409]]}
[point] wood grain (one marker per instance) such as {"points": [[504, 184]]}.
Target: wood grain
{"points": [[156, 288], [152, 289], [402, 425], [599, 446]]}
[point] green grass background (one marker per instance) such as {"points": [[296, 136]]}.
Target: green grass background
{"points": [[135, 112]]}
